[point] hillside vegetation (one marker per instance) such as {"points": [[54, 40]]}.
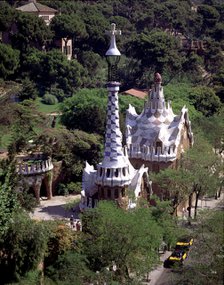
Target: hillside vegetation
{"points": [[60, 106]]}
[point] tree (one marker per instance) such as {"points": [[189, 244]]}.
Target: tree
{"points": [[212, 129], [86, 111], [96, 40], [8, 201], [31, 32], [67, 27], [95, 67], [175, 184], [30, 119], [22, 247], [206, 259], [161, 211], [205, 100], [69, 268], [29, 90], [157, 51], [9, 61], [52, 69], [71, 147], [128, 240], [210, 17], [201, 162], [7, 16]]}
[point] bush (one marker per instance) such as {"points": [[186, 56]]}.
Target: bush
{"points": [[49, 99], [58, 93], [29, 90], [74, 187]]}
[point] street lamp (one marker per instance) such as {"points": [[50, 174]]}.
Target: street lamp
{"points": [[113, 54]]}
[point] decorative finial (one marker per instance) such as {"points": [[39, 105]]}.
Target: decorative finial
{"points": [[157, 78], [113, 50]]}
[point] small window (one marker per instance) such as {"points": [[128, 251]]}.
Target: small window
{"points": [[116, 193], [101, 171], [123, 192], [159, 144], [108, 172], [116, 172], [124, 172], [67, 50]]}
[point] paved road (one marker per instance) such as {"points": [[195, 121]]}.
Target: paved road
{"points": [[163, 276]]}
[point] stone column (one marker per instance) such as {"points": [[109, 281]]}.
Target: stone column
{"points": [[48, 184], [37, 191]]}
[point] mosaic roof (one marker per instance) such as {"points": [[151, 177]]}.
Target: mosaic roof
{"points": [[157, 125]]}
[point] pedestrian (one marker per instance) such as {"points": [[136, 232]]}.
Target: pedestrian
{"points": [[72, 221], [78, 226]]}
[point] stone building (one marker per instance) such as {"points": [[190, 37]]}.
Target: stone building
{"points": [[36, 174], [39, 10], [114, 176], [157, 137], [47, 14]]}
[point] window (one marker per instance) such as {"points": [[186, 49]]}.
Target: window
{"points": [[108, 172], [123, 170], [158, 144], [109, 193], [116, 193], [67, 50], [116, 172]]}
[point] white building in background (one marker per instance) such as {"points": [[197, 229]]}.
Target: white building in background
{"points": [[47, 14]]}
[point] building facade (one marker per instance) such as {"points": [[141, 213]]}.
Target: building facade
{"points": [[157, 137]]}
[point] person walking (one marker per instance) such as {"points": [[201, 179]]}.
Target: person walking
{"points": [[72, 221]]}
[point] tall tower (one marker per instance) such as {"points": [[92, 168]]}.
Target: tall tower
{"points": [[113, 174]]}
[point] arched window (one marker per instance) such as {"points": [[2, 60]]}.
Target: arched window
{"points": [[108, 172], [124, 172], [158, 144], [116, 172]]}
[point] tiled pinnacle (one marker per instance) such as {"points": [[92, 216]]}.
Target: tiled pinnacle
{"points": [[113, 137]]}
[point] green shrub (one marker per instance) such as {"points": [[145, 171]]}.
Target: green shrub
{"points": [[74, 187], [49, 99]]}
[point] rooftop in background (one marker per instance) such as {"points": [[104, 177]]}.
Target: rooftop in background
{"points": [[33, 6], [137, 93]]}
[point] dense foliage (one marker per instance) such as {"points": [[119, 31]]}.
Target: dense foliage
{"points": [[115, 246]]}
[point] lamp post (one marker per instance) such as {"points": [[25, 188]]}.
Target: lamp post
{"points": [[113, 54]]}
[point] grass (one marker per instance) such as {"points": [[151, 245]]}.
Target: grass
{"points": [[44, 108]]}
